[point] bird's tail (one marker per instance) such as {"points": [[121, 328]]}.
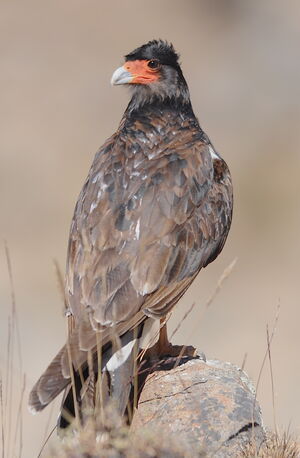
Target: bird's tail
{"points": [[117, 363], [117, 359]]}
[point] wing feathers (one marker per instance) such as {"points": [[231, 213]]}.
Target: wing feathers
{"points": [[150, 267]]}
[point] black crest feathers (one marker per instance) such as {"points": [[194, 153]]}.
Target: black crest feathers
{"points": [[156, 49]]}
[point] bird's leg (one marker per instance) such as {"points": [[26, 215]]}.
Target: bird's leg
{"points": [[164, 348]]}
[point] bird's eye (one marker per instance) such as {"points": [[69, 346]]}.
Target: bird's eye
{"points": [[153, 64]]}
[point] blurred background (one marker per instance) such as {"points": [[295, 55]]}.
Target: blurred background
{"points": [[242, 62]]}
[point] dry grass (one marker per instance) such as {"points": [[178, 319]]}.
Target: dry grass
{"points": [[275, 446], [11, 410], [107, 435]]}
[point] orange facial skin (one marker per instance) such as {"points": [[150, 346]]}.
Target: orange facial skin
{"points": [[142, 74]]}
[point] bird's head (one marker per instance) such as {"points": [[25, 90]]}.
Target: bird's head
{"points": [[152, 71]]}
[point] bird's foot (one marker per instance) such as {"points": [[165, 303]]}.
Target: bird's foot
{"points": [[181, 351], [174, 351], [178, 350]]}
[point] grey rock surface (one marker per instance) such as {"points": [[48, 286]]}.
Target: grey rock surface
{"points": [[210, 406]]}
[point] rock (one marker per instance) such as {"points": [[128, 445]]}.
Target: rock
{"points": [[210, 406]]}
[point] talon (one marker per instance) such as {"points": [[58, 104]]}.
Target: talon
{"points": [[201, 355], [182, 350]]}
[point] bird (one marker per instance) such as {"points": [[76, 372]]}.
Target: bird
{"points": [[155, 209]]}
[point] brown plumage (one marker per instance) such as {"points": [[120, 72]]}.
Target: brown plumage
{"points": [[156, 207]]}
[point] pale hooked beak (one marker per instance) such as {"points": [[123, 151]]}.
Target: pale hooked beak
{"points": [[121, 76]]}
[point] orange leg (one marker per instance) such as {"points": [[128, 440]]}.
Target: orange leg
{"points": [[164, 348]]}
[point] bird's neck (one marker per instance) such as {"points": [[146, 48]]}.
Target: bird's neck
{"points": [[158, 119], [138, 108]]}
